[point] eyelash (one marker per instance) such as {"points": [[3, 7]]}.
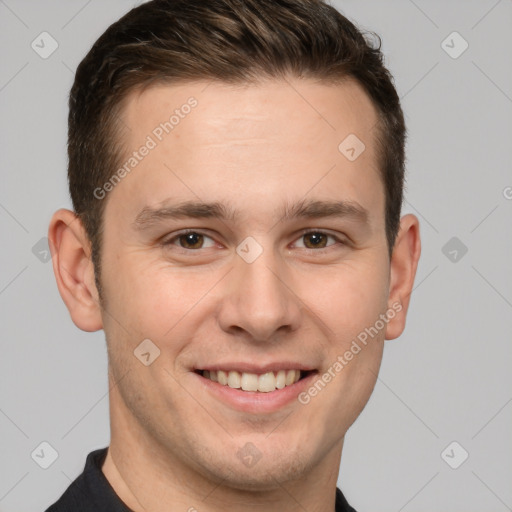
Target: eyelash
{"points": [[338, 241]]}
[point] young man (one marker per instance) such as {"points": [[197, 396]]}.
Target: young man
{"points": [[236, 170]]}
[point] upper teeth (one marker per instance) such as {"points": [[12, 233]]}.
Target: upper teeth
{"points": [[253, 382]]}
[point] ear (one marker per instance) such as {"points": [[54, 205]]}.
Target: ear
{"points": [[404, 262], [71, 250]]}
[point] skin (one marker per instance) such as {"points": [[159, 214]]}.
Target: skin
{"points": [[254, 147]]}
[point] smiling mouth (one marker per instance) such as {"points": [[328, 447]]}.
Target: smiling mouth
{"points": [[264, 383]]}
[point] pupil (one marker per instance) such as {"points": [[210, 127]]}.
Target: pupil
{"points": [[316, 239], [192, 240]]}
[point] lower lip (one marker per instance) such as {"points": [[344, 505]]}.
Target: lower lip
{"points": [[256, 401]]}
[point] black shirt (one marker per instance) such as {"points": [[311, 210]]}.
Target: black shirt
{"points": [[91, 491]]}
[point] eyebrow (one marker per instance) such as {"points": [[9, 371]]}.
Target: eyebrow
{"points": [[190, 209], [312, 209], [304, 209]]}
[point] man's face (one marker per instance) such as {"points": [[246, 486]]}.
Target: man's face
{"points": [[250, 290]]}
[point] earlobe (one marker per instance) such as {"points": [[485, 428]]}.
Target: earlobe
{"points": [[404, 263], [73, 269]]}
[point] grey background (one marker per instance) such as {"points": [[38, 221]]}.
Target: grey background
{"points": [[446, 379]]}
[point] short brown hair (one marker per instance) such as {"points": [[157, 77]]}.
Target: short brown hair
{"points": [[235, 41]]}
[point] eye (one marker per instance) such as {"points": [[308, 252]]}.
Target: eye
{"points": [[191, 240], [316, 240]]}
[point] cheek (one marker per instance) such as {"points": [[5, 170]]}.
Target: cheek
{"points": [[153, 300], [350, 307], [347, 298]]}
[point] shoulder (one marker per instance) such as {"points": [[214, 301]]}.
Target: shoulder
{"points": [[87, 489], [342, 503]]}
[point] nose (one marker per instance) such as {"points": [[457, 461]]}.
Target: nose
{"points": [[259, 300]]}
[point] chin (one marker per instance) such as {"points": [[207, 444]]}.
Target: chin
{"points": [[266, 473]]}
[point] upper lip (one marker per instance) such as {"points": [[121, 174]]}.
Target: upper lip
{"points": [[245, 367]]}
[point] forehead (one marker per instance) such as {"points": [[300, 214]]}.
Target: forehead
{"points": [[276, 138], [255, 109]]}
